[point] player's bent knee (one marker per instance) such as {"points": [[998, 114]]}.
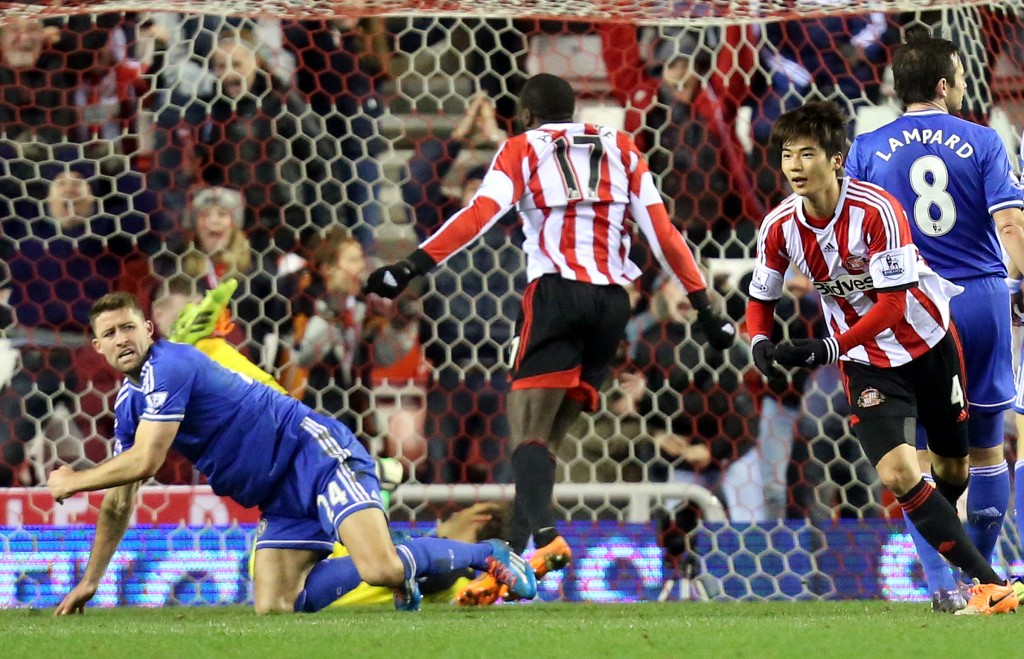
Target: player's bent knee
{"points": [[273, 605], [382, 571], [898, 476], [952, 470]]}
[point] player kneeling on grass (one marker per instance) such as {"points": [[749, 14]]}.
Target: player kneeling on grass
{"points": [[473, 524], [890, 330], [312, 480]]}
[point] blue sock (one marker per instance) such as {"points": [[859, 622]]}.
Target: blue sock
{"points": [[988, 496], [327, 581], [1018, 498], [427, 557], [936, 570], [422, 557]]}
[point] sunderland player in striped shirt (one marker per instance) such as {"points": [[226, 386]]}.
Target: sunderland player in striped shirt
{"points": [[956, 182], [312, 480], [889, 328], [580, 189]]}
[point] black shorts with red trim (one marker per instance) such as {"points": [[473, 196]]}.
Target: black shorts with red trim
{"points": [[566, 336], [929, 388]]}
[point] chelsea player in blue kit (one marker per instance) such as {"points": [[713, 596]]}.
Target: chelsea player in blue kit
{"points": [[957, 184], [312, 480]]}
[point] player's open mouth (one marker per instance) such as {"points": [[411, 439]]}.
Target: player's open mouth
{"points": [[125, 353]]}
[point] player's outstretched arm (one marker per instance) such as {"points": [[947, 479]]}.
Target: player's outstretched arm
{"points": [[115, 512], [152, 442]]}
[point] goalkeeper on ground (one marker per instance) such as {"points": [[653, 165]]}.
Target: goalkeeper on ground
{"points": [[204, 324]]}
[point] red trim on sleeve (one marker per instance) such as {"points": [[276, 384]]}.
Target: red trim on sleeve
{"points": [[760, 317], [885, 313]]}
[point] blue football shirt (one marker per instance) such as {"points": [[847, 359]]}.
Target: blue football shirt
{"points": [[950, 175], [242, 435]]}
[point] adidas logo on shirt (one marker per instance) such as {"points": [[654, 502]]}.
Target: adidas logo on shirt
{"points": [[829, 247]]}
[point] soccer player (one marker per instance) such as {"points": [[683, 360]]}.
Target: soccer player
{"points": [[889, 324], [579, 188], [955, 180], [311, 478]]}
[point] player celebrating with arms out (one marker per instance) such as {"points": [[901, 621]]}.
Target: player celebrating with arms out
{"points": [[311, 478], [579, 189], [955, 180], [889, 323]]}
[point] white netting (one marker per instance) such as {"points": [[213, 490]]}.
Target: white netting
{"points": [[114, 125]]}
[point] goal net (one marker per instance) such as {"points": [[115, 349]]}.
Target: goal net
{"points": [[162, 147]]}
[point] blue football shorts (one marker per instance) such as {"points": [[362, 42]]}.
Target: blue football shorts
{"points": [[324, 486]]}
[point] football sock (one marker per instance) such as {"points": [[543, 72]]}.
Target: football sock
{"points": [[939, 524], [533, 468], [442, 582], [949, 490], [424, 557], [1018, 498], [327, 581], [545, 536], [936, 569], [987, 500]]}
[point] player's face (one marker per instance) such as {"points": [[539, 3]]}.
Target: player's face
{"points": [[123, 337], [956, 88], [808, 168]]}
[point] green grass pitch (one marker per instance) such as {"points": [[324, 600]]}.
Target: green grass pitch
{"points": [[805, 630]]}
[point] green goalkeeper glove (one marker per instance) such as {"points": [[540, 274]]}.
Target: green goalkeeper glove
{"points": [[198, 321]]}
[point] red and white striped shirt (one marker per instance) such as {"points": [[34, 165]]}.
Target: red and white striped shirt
{"points": [[864, 249], [577, 187]]}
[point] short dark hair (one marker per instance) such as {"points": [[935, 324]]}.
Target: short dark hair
{"points": [[822, 121], [919, 65], [114, 302], [548, 97]]}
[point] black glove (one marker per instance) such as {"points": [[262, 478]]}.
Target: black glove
{"points": [[720, 332], [764, 360], [807, 352], [1017, 308], [390, 280]]}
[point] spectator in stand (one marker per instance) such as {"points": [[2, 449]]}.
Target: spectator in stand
{"points": [[833, 476], [699, 412], [214, 247], [467, 308], [838, 57], [363, 365], [327, 330], [612, 445], [680, 143], [108, 80], [35, 85], [798, 316], [259, 137], [62, 253], [340, 66], [683, 98]]}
